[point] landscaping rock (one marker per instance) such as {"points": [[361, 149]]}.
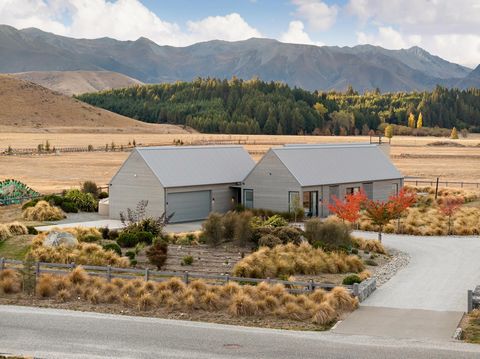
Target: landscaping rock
{"points": [[55, 239], [383, 273]]}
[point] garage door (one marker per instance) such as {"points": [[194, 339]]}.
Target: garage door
{"points": [[188, 206]]}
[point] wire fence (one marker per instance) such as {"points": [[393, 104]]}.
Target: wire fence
{"points": [[443, 183]]}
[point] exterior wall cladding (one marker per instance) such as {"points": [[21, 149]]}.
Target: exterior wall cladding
{"points": [[136, 182], [271, 183]]}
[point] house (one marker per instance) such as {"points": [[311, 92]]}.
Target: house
{"points": [[307, 176], [186, 181]]}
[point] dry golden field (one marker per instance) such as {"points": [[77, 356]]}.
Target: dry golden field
{"points": [[52, 173]]}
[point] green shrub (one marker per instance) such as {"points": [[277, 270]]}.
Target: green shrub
{"points": [[144, 237], [258, 232], [371, 262], [269, 240], [130, 254], [29, 204], [275, 221], [354, 251], [229, 221], [351, 279], [213, 229], [243, 229], [90, 238], [32, 230], [113, 247], [289, 234], [133, 262], [54, 199], [157, 253], [127, 240], [187, 261], [102, 195], [84, 201], [90, 187], [333, 234], [69, 207], [113, 234], [105, 231]]}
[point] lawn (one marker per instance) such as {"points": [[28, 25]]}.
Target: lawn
{"points": [[471, 332], [15, 247]]}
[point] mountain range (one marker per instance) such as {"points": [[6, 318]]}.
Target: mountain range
{"points": [[365, 67]]}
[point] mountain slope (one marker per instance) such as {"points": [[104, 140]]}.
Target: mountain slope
{"points": [[310, 67], [472, 80], [78, 82], [25, 105]]}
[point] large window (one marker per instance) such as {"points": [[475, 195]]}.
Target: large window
{"points": [[248, 198], [310, 203], [352, 190]]}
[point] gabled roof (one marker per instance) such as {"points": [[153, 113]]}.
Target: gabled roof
{"points": [[314, 165], [180, 166]]}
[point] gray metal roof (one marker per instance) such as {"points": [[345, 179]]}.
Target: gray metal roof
{"points": [[180, 166], [333, 164]]}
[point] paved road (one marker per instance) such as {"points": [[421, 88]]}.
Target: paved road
{"points": [[50, 333], [426, 299]]}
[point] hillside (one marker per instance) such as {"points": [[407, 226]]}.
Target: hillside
{"points": [[78, 82], [472, 80], [310, 67], [26, 106], [254, 106]]}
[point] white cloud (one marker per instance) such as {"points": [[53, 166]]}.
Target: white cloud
{"points": [[445, 28], [296, 35], [119, 19], [318, 14]]}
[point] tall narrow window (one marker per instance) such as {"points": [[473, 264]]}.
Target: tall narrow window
{"points": [[248, 198]]}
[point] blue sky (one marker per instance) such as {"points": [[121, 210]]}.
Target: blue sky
{"points": [[447, 28]]}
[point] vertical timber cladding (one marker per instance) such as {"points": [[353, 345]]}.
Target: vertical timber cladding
{"points": [[189, 206]]}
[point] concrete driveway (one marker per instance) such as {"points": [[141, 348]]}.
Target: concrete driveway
{"points": [[431, 290]]}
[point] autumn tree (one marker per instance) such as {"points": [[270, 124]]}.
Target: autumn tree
{"points": [[389, 131], [411, 120], [420, 120], [448, 207], [349, 209], [454, 134], [400, 202]]}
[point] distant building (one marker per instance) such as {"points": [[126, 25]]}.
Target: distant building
{"points": [[192, 181]]}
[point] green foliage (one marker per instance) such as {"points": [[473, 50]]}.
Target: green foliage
{"points": [[187, 261], [84, 201], [289, 234], [90, 187], [102, 195], [113, 247], [351, 279], [69, 207], [105, 231], [329, 234], [113, 234], [275, 221], [90, 238], [130, 254], [370, 262], [32, 230], [157, 253], [127, 239]]}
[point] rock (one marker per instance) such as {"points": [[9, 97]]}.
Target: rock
{"points": [[55, 239]]}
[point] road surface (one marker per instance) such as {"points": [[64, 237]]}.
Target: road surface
{"points": [[53, 333]]}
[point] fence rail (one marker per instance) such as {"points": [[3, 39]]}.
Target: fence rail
{"points": [[109, 273], [432, 183]]}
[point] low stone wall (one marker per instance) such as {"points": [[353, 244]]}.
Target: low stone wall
{"points": [[364, 289], [476, 298]]}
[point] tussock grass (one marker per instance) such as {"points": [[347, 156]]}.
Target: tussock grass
{"points": [[43, 211], [17, 228], [82, 253], [369, 245], [291, 259], [4, 232], [10, 281], [263, 300]]}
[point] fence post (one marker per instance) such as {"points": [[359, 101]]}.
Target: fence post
{"points": [[227, 278], [469, 301], [185, 277], [147, 274], [109, 273], [37, 269], [356, 289], [2, 264]]}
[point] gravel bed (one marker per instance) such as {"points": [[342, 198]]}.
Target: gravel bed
{"points": [[384, 272]]}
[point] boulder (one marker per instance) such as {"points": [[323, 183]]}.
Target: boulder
{"points": [[55, 239]]}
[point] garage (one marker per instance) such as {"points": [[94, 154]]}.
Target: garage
{"points": [[189, 206]]}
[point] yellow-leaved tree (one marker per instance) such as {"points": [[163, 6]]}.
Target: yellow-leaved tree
{"points": [[389, 131], [454, 134], [411, 120], [420, 120]]}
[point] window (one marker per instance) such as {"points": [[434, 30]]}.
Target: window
{"points": [[248, 198], [352, 190], [310, 203], [293, 201], [394, 189], [368, 189]]}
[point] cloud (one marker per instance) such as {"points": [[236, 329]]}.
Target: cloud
{"points": [[296, 35], [119, 19], [318, 14], [445, 28]]}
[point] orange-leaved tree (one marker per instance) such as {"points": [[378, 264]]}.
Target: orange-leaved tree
{"points": [[400, 202], [449, 206], [349, 209]]}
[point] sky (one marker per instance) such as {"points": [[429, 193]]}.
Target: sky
{"points": [[447, 28]]}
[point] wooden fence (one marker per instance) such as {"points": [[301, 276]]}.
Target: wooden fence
{"points": [[109, 273], [432, 183]]}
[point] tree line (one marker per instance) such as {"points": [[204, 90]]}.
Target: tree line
{"points": [[257, 107]]}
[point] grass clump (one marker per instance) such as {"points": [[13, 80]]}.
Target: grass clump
{"points": [[330, 234], [4, 232], [471, 332], [187, 261], [43, 211], [290, 259], [369, 245]]}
